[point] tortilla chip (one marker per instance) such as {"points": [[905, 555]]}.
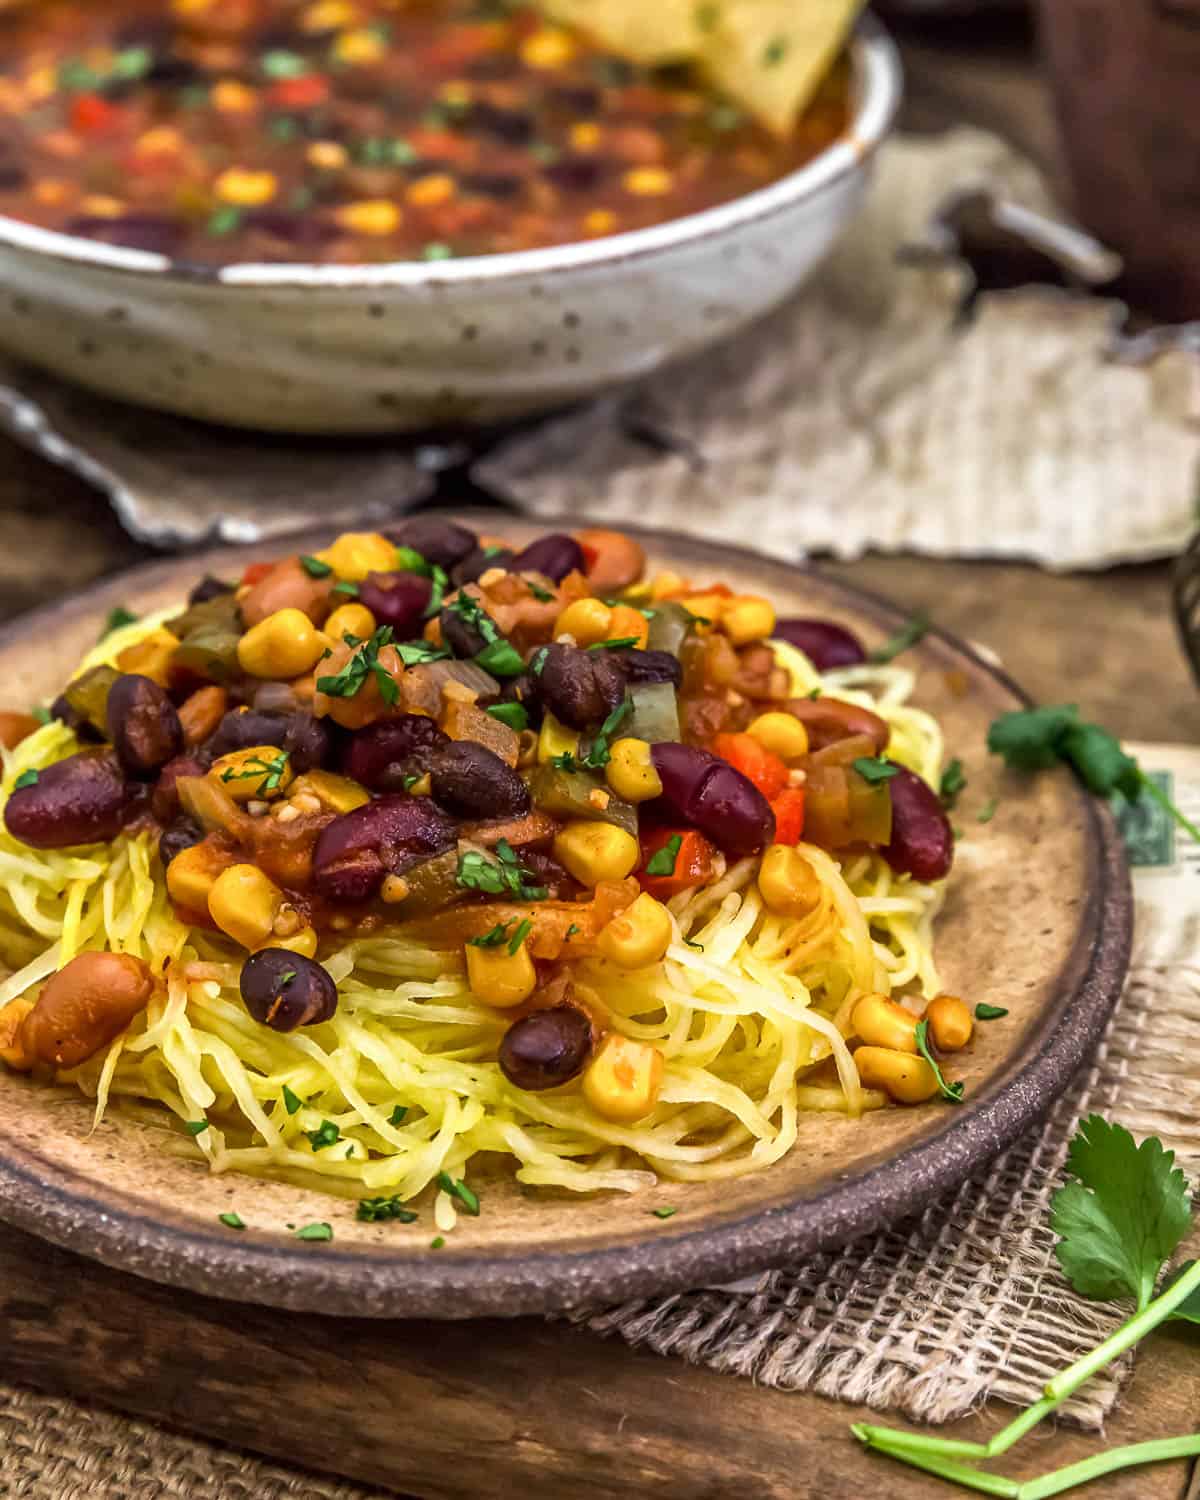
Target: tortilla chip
{"points": [[655, 32]]}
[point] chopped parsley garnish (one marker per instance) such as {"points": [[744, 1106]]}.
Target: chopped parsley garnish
{"points": [[524, 928], [985, 1012], [377, 1210], [437, 1243], [597, 756], [26, 778], [314, 567], [616, 644], [662, 862], [501, 659], [988, 811], [775, 51], [365, 663], [908, 635], [441, 583], [397, 1115], [223, 220], [326, 1134], [664, 1213], [457, 1188], [319, 1232], [436, 251], [814, 695], [503, 876], [565, 762], [512, 714], [950, 1091], [543, 596], [286, 978], [538, 660], [116, 619], [492, 939], [232, 1220], [875, 769], [281, 63], [270, 771], [195, 1127], [41, 714], [572, 930], [291, 1101], [416, 653], [952, 783], [409, 560], [411, 780], [346, 587]]}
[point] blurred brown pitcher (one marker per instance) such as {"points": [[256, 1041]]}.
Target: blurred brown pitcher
{"points": [[1126, 78]]}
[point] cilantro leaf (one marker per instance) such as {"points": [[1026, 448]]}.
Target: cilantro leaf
{"points": [[952, 783], [565, 762], [618, 643], [492, 939], [985, 1012], [875, 770], [195, 1127], [1030, 739], [314, 567], [232, 1220], [664, 1213], [116, 618], [513, 714], [326, 1134], [376, 1210], [597, 756], [501, 658], [662, 862], [1102, 765], [988, 811], [542, 595], [524, 928], [908, 635], [459, 1189], [317, 1232], [1123, 1218], [951, 1092], [397, 1115], [26, 778], [416, 653]]}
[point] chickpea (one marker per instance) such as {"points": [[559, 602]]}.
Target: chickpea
{"points": [[12, 1048], [882, 1023], [907, 1079], [201, 712], [615, 560], [950, 1022], [83, 1007]]}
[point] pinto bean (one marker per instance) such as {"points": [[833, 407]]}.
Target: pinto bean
{"points": [[83, 1007], [83, 799], [143, 725], [472, 568], [288, 586], [613, 560], [831, 719], [384, 837], [210, 588], [201, 712]]}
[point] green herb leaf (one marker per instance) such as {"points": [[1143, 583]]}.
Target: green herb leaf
{"points": [[616, 644], [662, 862], [664, 1213], [411, 780], [314, 567], [501, 659], [281, 63], [492, 939], [321, 1233], [565, 762], [291, 1101], [26, 778], [875, 770], [1030, 739], [223, 220], [195, 1127], [378, 1210], [116, 618], [417, 653], [543, 596], [512, 714], [363, 664], [538, 660], [326, 1134], [988, 811], [949, 1091], [459, 1189], [232, 1220], [908, 635], [436, 251], [952, 783], [345, 587], [270, 771], [41, 713], [397, 1115], [437, 1243], [775, 51], [572, 930], [409, 560], [1123, 1218], [498, 877], [597, 756], [691, 944], [524, 928], [441, 583], [985, 1012]]}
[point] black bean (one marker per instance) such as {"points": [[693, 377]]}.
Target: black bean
{"points": [[84, 799], [12, 176], [284, 990], [649, 666], [292, 228], [476, 564], [501, 185], [553, 556], [240, 729], [143, 725], [436, 539], [575, 174], [182, 834], [386, 837], [580, 688], [308, 742], [385, 753], [523, 690], [512, 126], [578, 99], [210, 588], [464, 638], [547, 1048], [472, 781]]}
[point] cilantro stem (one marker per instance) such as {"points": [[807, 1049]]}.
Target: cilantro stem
{"points": [[945, 1468], [1152, 1452], [1159, 796]]}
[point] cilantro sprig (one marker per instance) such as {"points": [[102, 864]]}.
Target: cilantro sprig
{"points": [[907, 636], [503, 876], [952, 784], [662, 861], [953, 1092], [598, 755], [1035, 739]]}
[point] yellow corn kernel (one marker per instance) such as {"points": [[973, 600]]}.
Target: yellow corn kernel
{"points": [[584, 135], [498, 977], [599, 221], [193, 873], [950, 1022], [588, 620], [303, 942], [629, 623], [361, 46], [781, 733], [357, 620], [548, 49], [880, 1022], [555, 739], [668, 584], [285, 644], [341, 794], [371, 216], [246, 189], [623, 1080], [706, 607], [12, 1050], [907, 1079], [40, 84], [593, 852], [327, 156], [229, 97], [647, 182], [159, 140], [428, 192], [329, 15], [630, 771], [456, 92], [151, 656], [640, 935], [244, 903], [356, 553], [747, 618], [101, 206], [787, 882], [258, 773], [50, 191], [191, 8]]}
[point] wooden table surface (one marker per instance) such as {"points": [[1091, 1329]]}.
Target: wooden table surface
{"points": [[499, 1408]]}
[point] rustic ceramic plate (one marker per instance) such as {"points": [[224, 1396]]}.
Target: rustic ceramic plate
{"points": [[1037, 920]]}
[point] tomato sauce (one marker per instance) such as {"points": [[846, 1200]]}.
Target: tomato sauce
{"points": [[352, 131]]}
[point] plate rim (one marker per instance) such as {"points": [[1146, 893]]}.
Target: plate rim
{"points": [[377, 1282]]}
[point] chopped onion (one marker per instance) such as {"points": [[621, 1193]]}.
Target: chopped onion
{"points": [[275, 698], [466, 672]]}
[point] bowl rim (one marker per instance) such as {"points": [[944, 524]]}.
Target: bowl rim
{"points": [[879, 85]]}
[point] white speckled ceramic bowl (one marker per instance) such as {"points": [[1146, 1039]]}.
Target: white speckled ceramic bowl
{"points": [[356, 349]]}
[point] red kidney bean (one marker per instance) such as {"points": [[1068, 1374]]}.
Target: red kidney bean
{"points": [[143, 725], [472, 781], [547, 1048], [922, 840], [308, 741], [164, 800], [182, 834], [707, 792], [580, 688], [648, 666], [397, 599], [437, 540], [553, 556], [476, 564], [284, 990], [825, 644], [384, 753], [829, 720], [384, 837], [81, 800]]}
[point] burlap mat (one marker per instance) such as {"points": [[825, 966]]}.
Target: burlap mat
{"points": [[886, 407]]}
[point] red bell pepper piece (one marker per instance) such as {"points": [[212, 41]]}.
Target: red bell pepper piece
{"points": [[255, 573], [695, 861], [299, 93], [90, 114], [788, 808], [756, 763]]}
